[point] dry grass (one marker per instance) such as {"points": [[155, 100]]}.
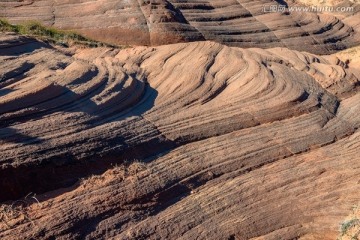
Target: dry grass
{"points": [[118, 172], [353, 52], [17, 212], [135, 167], [350, 229], [350, 56]]}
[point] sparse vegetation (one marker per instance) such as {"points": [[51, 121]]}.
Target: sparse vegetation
{"points": [[50, 34], [128, 169], [350, 229], [17, 212], [135, 167], [350, 55]]}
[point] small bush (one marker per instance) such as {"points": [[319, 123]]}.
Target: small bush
{"points": [[350, 229], [5, 26]]}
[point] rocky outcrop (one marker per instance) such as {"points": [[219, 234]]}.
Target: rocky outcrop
{"points": [[232, 143], [239, 23]]}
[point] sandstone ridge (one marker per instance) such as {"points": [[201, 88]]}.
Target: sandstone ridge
{"points": [[247, 150], [241, 23]]}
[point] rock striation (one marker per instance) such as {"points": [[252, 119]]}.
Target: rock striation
{"points": [[232, 143], [241, 23]]}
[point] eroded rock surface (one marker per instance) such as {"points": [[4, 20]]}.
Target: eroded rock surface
{"points": [[242, 23], [233, 143]]}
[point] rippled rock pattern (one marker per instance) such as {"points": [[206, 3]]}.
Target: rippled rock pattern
{"points": [[235, 143], [241, 23]]}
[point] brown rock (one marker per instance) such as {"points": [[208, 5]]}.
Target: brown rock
{"points": [[239, 23], [232, 143]]}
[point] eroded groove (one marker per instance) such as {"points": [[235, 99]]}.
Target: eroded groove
{"points": [[240, 23], [216, 142]]}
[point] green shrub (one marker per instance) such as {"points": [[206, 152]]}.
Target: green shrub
{"points": [[350, 229], [56, 36]]}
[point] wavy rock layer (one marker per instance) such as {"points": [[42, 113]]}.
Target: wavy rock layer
{"points": [[236, 143], [240, 23]]}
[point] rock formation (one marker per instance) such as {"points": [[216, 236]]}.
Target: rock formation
{"points": [[230, 143], [241, 23]]}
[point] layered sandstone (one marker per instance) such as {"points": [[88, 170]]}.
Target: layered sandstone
{"points": [[232, 143], [242, 23]]}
